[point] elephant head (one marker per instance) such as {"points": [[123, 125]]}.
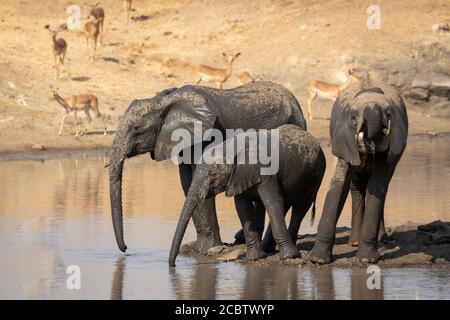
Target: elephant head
{"points": [[146, 126], [368, 121], [209, 180]]}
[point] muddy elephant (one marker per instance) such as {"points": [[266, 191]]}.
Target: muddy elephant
{"points": [[147, 126], [369, 129], [293, 183]]}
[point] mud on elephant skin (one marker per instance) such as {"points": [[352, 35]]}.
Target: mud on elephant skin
{"points": [[301, 165], [147, 126], [369, 128]]}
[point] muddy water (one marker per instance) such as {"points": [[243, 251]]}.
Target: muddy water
{"points": [[55, 213]]}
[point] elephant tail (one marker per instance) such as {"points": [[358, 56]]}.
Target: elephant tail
{"points": [[313, 212]]}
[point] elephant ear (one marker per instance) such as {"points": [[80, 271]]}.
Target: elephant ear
{"points": [[182, 109], [398, 130], [343, 143], [243, 177]]}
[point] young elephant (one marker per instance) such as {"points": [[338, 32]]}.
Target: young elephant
{"points": [[301, 165], [369, 129]]}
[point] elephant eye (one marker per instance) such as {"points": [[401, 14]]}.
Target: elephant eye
{"points": [[354, 120]]}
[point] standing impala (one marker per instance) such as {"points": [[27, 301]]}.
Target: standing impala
{"points": [[99, 14], [59, 47], [75, 103], [326, 90], [91, 31], [217, 75]]}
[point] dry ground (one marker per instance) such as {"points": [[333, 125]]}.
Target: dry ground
{"points": [[289, 42]]}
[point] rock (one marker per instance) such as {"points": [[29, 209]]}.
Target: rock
{"points": [[437, 232], [232, 253], [38, 147], [214, 251], [440, 27], [418, 94], [441, 109], [437, 83]]}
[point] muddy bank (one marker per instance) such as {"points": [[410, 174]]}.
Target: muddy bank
{"points": [[408, 246]]}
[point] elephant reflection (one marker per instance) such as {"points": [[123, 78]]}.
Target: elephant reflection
{"points": [[118, 279], [201, 285]]}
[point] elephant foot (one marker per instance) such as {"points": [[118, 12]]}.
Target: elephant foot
{"points": [[203, 244], [368, 254], [353, 242], [254, 253], [321, 253], [289, 252], [384, 238], [239, 237]]}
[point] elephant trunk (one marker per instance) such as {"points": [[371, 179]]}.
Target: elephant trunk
{"points": [[373, 122], [115, 191], [188, 209]]}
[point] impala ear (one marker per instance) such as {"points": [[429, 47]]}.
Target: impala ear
{"points": [[183, 113], [242, 178], [398, 131], [343, 142]]}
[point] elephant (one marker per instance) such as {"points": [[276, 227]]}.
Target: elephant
{"points": [[301, 166], [147, 126], [369, 129]]}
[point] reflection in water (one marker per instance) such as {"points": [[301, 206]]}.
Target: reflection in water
{"points": [[117, 280], [55, 213]]}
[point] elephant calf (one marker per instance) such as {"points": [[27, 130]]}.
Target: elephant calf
{"points": [[301, 165], [369, 129]]}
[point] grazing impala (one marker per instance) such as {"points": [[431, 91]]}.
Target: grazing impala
{"points": [[59, 47], [75, 103], [245, 77], [326, 90], [216, 75]]}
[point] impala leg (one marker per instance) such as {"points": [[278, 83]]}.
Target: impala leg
{"points": [[311, 98], [76, 123], [62, 123]]}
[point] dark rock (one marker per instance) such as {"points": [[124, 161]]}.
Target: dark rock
{"points": [[418, 94], [437, 83]]}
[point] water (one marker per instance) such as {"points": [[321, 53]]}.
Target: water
{"points": [[55, 213]]}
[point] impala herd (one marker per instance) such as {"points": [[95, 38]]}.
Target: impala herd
{"points": [[93, 32]]}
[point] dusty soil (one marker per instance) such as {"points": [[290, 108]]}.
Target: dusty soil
{"points": [[289, 42], [407, 247]]}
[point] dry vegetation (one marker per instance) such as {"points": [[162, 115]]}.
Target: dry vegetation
{"points": [[290, 42]]}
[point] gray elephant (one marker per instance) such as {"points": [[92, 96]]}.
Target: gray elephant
{"points": [[369, 129], [301, 165], [147, 126]]}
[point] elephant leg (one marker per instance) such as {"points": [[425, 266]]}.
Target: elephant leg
{"points": [[334, 202], [204, 216], [298, 213], [382, 234], [358, 193], [272, 199], [258, 207], [268, 243], [377, 187], [252, 223]]}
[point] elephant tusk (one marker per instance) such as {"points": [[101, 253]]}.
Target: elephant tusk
{"points": [[387, 131], [360, 136]]}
